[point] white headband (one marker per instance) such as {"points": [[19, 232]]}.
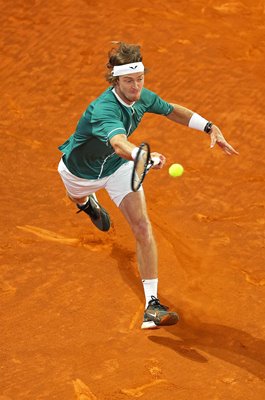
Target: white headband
{"points": [[125, 69]]}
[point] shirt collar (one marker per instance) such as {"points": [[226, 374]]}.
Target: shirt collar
{"points": [[121, 101]]}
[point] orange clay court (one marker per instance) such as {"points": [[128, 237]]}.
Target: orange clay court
{"points": [[71, 297]]}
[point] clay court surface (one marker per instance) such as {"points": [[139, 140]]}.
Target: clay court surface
{"points": [[71, 297]]}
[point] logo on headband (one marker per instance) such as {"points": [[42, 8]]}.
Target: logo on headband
{"points": [[124, 69]]}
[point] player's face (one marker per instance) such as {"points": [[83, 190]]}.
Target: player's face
{"points": [[129, 87]]}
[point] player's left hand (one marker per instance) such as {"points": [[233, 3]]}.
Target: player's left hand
{"points": [[217, 137]]}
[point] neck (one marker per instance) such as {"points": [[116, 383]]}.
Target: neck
{"points": [[123, 100]]}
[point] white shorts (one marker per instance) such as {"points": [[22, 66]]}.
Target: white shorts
{"points": [[118, 185]]}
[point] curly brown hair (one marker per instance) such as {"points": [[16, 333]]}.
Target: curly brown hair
{"points": [[123, 53]]}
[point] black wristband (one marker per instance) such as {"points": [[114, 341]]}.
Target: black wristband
{"points": [[208, 127]]}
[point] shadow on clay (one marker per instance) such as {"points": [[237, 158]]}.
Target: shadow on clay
{"points": [[226, 343], [192, 335]]}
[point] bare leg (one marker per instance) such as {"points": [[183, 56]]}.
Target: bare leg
{"points": [[133, 206], [81, 200]]}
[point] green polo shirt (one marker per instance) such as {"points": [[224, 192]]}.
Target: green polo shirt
{"points": [[88, 153]]}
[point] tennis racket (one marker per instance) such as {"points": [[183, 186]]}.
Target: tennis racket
{"points": [[142, 164]]}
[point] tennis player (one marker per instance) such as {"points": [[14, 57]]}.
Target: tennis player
{"points": [[98, 155]]}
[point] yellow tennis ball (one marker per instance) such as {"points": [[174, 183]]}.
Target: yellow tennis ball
{"points": [[175, 170]]}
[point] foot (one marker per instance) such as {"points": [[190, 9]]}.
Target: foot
{"points": [[157, 315], [97, 214]]}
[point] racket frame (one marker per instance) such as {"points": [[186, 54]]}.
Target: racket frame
{"points": [[144, 146]]}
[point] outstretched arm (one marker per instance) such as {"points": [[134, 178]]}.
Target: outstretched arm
{"points": [[184, 116]]}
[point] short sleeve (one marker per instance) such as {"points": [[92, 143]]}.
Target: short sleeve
{"points": [[106, 123], [156, 104]]}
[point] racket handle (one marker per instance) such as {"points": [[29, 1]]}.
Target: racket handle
{"points": [[156, 160]]}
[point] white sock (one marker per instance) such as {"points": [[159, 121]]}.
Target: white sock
{"points": [[150, 289]]}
